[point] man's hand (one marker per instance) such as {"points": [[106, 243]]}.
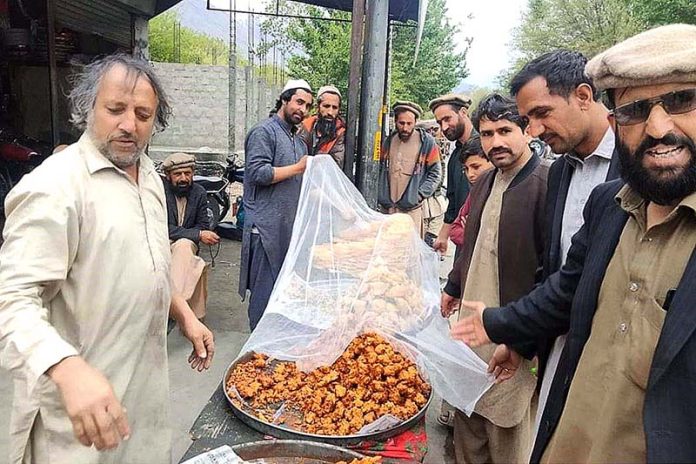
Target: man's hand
{"points": [[209, 237], [97, 416], [195, 331], [448, 305], [203, 343], [301, 165], [442, 239], [470, 330], [504, 363]]}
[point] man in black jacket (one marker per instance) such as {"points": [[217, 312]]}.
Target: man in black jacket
{"points": [[452, 115], [187, 215], [624, 387], [563, 108]]}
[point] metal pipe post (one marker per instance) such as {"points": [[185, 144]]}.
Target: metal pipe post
{"points": [[357, 32], [371, 102], [52, 70]]}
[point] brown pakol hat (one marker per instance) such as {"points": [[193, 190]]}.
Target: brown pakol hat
{"points": [[662, 55], [409, 106], [450, 99]]}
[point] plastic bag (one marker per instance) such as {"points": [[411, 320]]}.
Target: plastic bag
{"points": [[351, 270]]}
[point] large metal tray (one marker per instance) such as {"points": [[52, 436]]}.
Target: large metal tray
{"points": [[321, 452], [278, 431]]}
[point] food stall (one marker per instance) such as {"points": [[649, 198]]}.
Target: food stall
{"points": [[352, 345]]}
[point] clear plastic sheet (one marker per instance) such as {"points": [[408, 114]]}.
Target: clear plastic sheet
{"points": [[351, 270]]}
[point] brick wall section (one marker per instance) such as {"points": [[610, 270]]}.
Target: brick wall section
{"points": [[199, 98]]}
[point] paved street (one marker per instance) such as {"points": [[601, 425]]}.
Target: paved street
{"points": [[190, 390]]}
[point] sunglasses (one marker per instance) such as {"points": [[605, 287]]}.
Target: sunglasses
{"points": [[677, 102]]}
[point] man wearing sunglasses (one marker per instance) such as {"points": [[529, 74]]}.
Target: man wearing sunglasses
{"points": [[624, 387]]}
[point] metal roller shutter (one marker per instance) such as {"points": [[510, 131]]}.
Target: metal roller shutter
{"points": [[99, 17]]}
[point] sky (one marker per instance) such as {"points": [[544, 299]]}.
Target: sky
{"points": [[491, 28]]}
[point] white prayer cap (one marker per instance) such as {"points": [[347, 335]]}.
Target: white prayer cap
{"points": [[329, 89], [297, 84]]}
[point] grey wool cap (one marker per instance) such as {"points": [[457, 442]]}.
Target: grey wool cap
{"points": [[662, 55], [178, 161]]}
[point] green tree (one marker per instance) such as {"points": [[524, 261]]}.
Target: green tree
{"points": [[589, 26], [321, 51], [655, 12], [194, 47]]}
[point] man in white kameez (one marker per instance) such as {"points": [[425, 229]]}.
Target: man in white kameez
{"points": [[84, 284]]}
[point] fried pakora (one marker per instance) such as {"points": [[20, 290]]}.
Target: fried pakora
{"points": [[369, 380]]}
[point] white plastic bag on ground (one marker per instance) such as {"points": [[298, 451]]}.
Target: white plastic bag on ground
{"points": [[351, 270]]}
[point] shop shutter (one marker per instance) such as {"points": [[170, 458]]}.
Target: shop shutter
{"points": [[100, 17]]}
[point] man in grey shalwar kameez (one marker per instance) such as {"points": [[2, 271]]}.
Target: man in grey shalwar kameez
{"points": [[276, 158]]}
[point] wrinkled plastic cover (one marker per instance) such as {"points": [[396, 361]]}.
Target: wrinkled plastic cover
{"points": [[351, 270]]}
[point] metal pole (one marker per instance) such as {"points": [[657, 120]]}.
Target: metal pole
{"points": [[356, 40], [249, 84], [371, 103], [232, 81], [387, 81], [52, 70]]}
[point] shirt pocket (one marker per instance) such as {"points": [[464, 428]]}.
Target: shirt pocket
{"points": [[644, 334]]}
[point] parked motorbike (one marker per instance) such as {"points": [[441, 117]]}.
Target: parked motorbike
{"points": [[15, 161]]}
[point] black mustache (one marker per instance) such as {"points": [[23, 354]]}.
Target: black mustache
{"points": [[495, 151]]}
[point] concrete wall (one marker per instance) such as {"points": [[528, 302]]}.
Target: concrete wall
{"points": [[199, 98]]}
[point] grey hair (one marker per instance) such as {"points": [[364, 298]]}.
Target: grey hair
{"points": [[86, 85]]}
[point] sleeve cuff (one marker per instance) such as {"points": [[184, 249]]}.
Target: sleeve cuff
{"points": [[47, 353], [492, 324], [452, 289]]}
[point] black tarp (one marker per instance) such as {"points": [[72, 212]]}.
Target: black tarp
{"points": [[399, 10]]}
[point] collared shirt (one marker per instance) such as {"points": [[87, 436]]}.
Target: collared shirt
{"points": [[587, 174], [504, 404], [85, 270], [603, 416]]}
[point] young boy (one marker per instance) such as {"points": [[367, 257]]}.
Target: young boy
{"points": [[474, 162]]}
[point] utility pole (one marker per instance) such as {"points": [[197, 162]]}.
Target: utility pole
{"points": [[371, 102], [357, 33]]}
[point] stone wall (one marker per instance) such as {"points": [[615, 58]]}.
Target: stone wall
{"points": [[199, 98]]}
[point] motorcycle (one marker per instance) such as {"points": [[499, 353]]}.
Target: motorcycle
{"points": [[216, 177], [15, 161]]}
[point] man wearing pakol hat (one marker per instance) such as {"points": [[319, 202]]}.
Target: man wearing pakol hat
{"points": [[624, 389], [275, 159], [189, 225], [451, 113], [325, 132], [409, 170]]}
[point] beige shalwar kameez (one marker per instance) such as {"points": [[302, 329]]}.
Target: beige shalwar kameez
{"points": [[85, 270], [403, 158]]}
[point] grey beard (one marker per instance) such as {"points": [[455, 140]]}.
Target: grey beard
{"points": [[121, 161]]}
